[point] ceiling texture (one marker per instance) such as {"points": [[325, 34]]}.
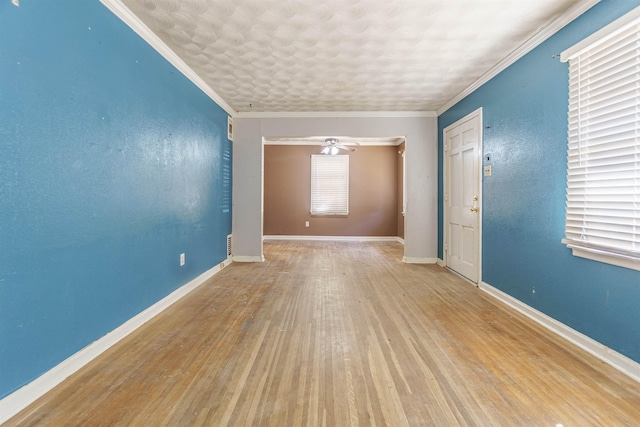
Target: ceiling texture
{"points": [[343, 55]]}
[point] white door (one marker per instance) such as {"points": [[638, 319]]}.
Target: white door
{"points": [[462, 145]]}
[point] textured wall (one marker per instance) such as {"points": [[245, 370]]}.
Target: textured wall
{"points": [[373, 185], [525, 119], [112, 164]]}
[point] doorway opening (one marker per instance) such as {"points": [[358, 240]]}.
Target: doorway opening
{"points": [[377, 195]]}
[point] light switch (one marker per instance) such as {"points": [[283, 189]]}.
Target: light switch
{"points": [[487, 171]]}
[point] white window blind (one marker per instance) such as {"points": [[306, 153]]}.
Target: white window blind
{"points": [[329, 185], [603, 173]]}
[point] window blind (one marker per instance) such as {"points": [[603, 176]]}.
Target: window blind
{"points": [[603, 172], [329, 185]]}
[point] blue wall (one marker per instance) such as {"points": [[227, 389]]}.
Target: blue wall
{"points": [[525, 120], [112, 163]]}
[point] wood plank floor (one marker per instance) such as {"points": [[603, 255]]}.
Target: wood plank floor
{"points": [[339, 334]]}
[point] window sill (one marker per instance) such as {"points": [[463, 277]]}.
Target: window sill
{"points": [[329, 215], [599, 255]]}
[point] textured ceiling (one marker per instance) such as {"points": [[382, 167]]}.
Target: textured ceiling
{"points": [[343, 55]]}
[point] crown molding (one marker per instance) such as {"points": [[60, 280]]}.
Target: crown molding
{"points": [[534, 41], [131, 20], [602, 35], [332, 114]]}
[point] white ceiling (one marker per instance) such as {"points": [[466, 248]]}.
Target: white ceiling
{"points": [[343, 55]]}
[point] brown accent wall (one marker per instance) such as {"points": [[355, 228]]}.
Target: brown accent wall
{"points": [[373, 193]]}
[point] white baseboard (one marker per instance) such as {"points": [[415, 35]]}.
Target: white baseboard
{"points": [[414, 260], [337, 238], [23, 397], [440, 262], [602, 352], [248, 258]]}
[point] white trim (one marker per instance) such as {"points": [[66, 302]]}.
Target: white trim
{"points": [[620, 362], [336, 238], [248, 258], [534, 41], [334, 114], [121, 11], [601, 35], [23, 397], [414, 260], [440, 262], [311, 141], [603, 256]]}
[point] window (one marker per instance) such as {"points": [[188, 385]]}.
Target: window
{"points": [[329, 185], [603, 172]]}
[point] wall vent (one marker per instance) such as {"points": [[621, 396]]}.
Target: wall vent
{"points": [[229, 246], [230, 128]]}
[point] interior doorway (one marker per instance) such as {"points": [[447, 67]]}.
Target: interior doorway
{"points": [[377, 189]]}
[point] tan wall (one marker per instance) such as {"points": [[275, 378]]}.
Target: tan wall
{"points": [[373, 193]]}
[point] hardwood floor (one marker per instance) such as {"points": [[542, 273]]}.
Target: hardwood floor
{"points": [[340, 334]]}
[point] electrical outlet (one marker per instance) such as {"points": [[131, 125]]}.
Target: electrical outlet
{"points": [[487, 171], [306, 223], [181, 260]]}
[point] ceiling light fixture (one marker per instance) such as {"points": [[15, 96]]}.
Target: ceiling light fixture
{"points": [[333, 150], [333, 146]]}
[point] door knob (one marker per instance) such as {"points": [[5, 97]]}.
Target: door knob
{"points": [[474, 209]]}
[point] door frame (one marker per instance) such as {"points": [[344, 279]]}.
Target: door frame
{"points": [[475, 115]]}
